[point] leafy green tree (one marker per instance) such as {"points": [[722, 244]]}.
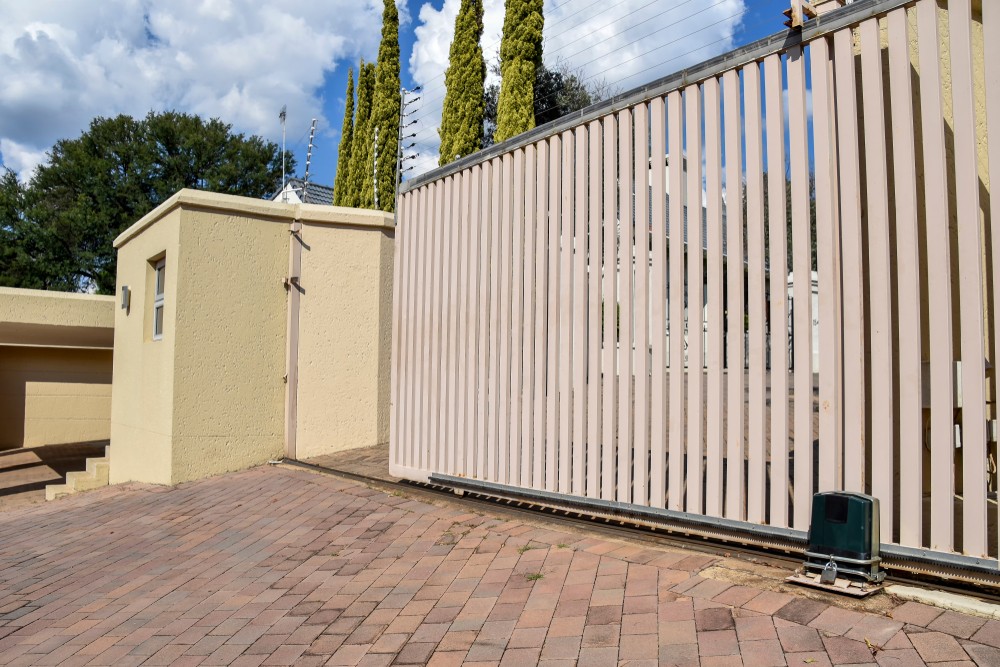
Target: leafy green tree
{"points": [[520, 56], [360, 191], [94, 187], [24, 259], [344, 151], [464, 106], [385, 108], [559, 90]]}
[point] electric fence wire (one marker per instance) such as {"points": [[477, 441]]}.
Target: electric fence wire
{"points": [[437, 88], [423, 134], [625, 46]]}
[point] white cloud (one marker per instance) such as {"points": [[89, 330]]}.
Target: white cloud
{"points": [[65, 62], [21, 159], [627, 43]]}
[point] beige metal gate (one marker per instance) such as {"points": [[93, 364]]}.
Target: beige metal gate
{"points": [[555, 330]]}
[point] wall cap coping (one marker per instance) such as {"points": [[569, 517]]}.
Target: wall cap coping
{"points": [[275, 210], [40, 318], [31, 306]]}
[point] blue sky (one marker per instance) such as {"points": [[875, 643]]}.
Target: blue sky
{"points": [[66, 62]]}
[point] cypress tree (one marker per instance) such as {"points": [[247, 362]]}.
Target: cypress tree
{"points": [[462, 116], [360, 193], [344, 152], [520, 55], [385, 107]]}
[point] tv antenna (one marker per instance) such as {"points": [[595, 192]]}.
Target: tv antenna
{"points": [[283, 116]]}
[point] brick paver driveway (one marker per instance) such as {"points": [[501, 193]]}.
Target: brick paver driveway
{"points": [[282, 566]]}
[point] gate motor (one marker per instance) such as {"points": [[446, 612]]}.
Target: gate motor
{"points": [[843, 551]]}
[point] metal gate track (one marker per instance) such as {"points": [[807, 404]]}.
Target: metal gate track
{"points": [[784, 554]]}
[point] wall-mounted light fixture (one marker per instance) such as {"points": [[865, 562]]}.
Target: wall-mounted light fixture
{"points": [[126, 298]]}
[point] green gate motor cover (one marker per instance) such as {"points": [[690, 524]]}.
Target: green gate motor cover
{"points": [[845, 529]]}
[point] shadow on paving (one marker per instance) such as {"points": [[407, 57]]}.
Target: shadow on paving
{"points": [[25, 472]]}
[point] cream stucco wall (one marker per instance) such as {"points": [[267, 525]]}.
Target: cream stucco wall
{"points": [[210, 397], [142, 387], [55, 367], [51, 396], [229, 361], [345, 330]]}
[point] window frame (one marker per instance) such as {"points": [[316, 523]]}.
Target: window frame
{"points": [[159, 288]]}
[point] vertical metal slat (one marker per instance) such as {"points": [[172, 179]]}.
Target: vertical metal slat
{"points": [[658, 300], [778, 263], [939, 279], [802, 289], [696, 299], [735, 378], [716, 389], [911, 437], [757, 387], [625, 262]]}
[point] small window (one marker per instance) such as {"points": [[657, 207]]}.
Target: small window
{"points": [[160, 269]]}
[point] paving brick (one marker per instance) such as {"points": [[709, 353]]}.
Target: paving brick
{"points": [[639, 624], [722, 661], [640, 604], [755, 628], [768, 602], [801, 610], [736, 596], [958, 625], [285, 655], [899, 658], [808, 658], [596, 636], [876, 629], [678, 633], [899, 640], [415, 653], [720, 618], [679, 655], [799, 638], [596, 657], [527, 638], [567, 627], [937, 647], [447, 659], [349, 655], [388, 643], [988, 634], [514, 657], [915, 613], [837, 621], [486, 650], [845, 651], [563, 648], [604, 614], [983, 656], [762, 653], [639, 647], [718, 642]]}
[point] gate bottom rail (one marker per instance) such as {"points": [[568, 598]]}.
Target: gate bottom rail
{"points": [[915, 560]]}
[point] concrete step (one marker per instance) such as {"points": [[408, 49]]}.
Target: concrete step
{"points": [[94, 477]]}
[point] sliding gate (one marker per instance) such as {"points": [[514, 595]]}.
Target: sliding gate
{"points": [[765, 276]]}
